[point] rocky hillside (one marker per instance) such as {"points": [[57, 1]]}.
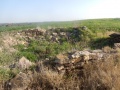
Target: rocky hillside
{"points": [[59, 59], [80, 65]]}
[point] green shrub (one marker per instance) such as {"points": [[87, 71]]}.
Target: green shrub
{"points": [[29, 55]]}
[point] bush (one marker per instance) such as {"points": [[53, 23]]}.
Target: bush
{"points": [[29, 55]]}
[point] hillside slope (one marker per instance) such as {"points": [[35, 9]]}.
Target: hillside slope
{"points": [[79, 55]]}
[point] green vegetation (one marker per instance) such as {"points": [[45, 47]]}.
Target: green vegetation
{"points": [[96, 36], [101, 25], [95, 25], [14, 27], [37, 50]]}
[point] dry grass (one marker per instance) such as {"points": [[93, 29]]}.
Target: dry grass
{"points": [[104, 34], [99, 75], [95, 76], [107, 49], [102, 76], [52, 80]]}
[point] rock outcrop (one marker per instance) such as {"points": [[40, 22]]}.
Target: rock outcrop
{"points": [[79, 58]]}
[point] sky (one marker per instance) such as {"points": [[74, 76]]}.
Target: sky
{"points": [[17, 11]]}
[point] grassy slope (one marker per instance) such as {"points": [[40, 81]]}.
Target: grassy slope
{"points": [[92, 24], [98, 26]]}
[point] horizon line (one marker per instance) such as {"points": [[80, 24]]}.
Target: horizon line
{"points": [[55, 21]]}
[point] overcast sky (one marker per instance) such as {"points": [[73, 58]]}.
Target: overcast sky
{"points": [[12, 11]]}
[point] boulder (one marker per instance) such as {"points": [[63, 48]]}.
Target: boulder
{"points": [[19, 82], [75, 55], [78, 54], [62, 34], [54, 34], [60, 67], [24, 63]]}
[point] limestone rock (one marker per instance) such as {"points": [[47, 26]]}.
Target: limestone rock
{"points": [[24, 63], [80, 53], [97, 51], [61, 59], [60, 67], [117, 45], [75, 55], [80, 56], [63, 34], [85, 56], [54, 34]]}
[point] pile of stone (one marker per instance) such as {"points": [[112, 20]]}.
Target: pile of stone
{"points": [[58, 35], [63, 63], [78, 59], [33, 32]]}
